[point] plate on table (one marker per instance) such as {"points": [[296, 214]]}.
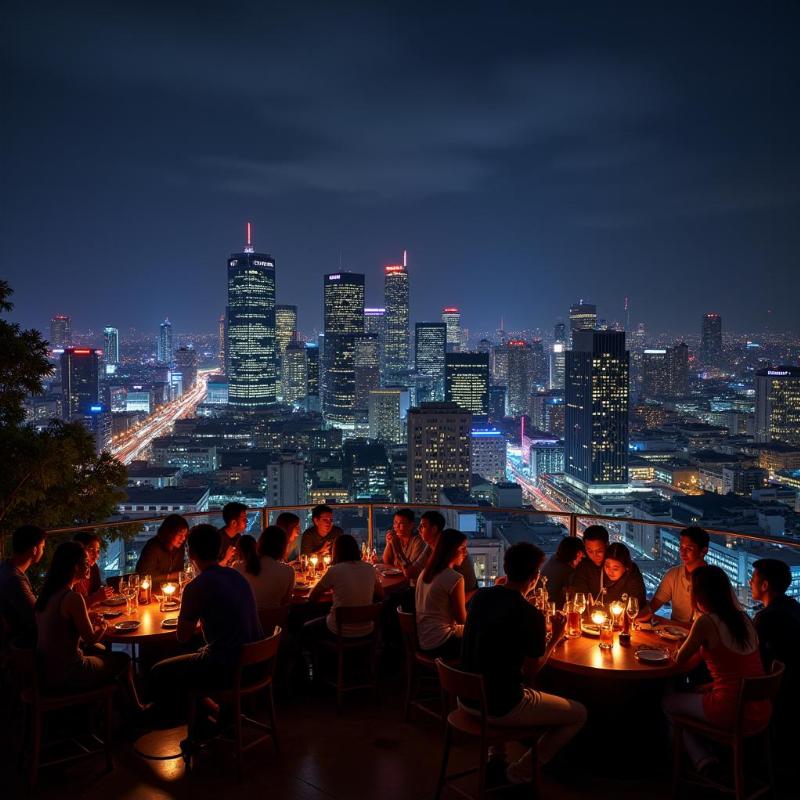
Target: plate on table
{"points": [[652, 655], [392, 571], [127, 625], [590, 629], [648, 626], [169, 622], [114, 600], [111, 614], [673, 633], [171, 605]]}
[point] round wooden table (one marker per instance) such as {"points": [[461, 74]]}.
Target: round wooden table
{"points": [[149, 618], [390, 583]]}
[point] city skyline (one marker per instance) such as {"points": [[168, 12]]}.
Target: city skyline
{"points": [[579, 154]]}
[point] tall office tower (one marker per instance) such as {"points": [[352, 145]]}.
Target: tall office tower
{"points": [[375, 321], [438, 450], [164, 352], [111, 346], [294, 375], [520, 377], [655, 373], [497, 402], [186, 364], [488, 454], [484, 346], [778, 405], [285, 329], [582, 317], [451, 317], [251, 353], [430, 347], [222, 349], [711, 339], [560, 332], [344, 321], [467, 381], [312, 367], [367, 369], [385, 415], [596, 414], [500, 365], [539, 370], [395, 347], [678, 370], [557, 358], [546, 411], [80, 380], [60, 332]]}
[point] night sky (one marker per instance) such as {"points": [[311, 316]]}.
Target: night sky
{"points": [[526, 155]]}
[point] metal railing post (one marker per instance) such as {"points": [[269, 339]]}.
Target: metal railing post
{"points": [[573, 524], [264, 518], [370, 521]]}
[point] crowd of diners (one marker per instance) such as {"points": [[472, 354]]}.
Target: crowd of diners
{"points": [[494, 631]]}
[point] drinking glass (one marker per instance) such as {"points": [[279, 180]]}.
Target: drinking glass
{"points": [[580, 602], [632, 610], [573, 621], [607, 634]]}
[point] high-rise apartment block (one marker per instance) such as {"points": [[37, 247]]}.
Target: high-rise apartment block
{"points": [[251, 353], [294, 377], [430, 347], [385, 414], [557, 361], [451, 316], [396, 345], [520, 376], [467, 381], [221, 348], [711, 339], [80, 381], [665, 371], [439, 453], [285, 329], [110, 346], [164, 352], [367, 369], [186, 364], [60, 332], [488, 453], [596, 409], [778, 405]]}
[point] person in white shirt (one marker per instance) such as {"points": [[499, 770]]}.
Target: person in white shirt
{"points": [[353, 582], [272, 581], [676, 585], [440, 605]]}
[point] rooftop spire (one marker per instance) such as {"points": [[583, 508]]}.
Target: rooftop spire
{"points": [[405, 258], [248, 248]]}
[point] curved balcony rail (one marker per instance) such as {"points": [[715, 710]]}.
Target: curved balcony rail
{"points": [[653, 543]]}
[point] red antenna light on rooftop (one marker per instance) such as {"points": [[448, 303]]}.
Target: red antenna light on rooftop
{"points": [[405, 258]]}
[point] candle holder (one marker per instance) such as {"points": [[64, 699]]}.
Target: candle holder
{"points": [[168, 590], [617, 609], [606, 625], [314, 560], [145, 590], [326, 560]]}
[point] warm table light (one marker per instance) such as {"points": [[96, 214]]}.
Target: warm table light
{"points": [[144, 590], [314, 561], [326, 560], [598, 617], [167, 590], [617, 609]]}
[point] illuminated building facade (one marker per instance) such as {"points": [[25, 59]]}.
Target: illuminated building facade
{"points": [[596, 409], [221, 350], [80, 381], [520, 376], [711, 339], [285, 332], [386, 417], [451, 317], [395, 345], [467, 381], [430, 347], [164, 353], [655, 375], [367, 368], [294, 375], [488, 454], [344, 321], [110, 347], [439, 453], [582, 317], [778, 405], [60, 332], [251, 353], [313, 377], [557, 360], [186, 364]]}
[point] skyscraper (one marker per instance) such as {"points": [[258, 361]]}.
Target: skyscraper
{"points": [[80, 381], [520, 376], [164, 352], [582, 317], [557, 359], [186, 364], [221, 348], [313, 377], [539, 368], [430, 346], [560, 332], [778, 405], [367, 368], [344, 321], [678, 369], [596, 414], [438, 450], [395, 347], [285, 329], [294, 375], [467, 381], [711, 339], [252, 378], [655, 373], [385, 417], [451, 317], [60, 332], [375, 321], [111, 346]]}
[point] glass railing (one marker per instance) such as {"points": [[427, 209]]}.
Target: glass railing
{"points": [[653, 544]]}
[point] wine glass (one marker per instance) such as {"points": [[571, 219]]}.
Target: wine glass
{"points": [[580, 602], [632, 610]]}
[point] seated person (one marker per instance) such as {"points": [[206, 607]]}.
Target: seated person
{"points": [[91, 588], [560, 567], [319, 538], [588, 575], [504, 640], [353, 582], [221, 600], [440, 605], [17, 599], [163, 556], [778, 628], [725, 638], [234, 515], [290, 524], [622, 576], [262, 564], [64, 623], [403, 546], [431, 525], [676, 585]]}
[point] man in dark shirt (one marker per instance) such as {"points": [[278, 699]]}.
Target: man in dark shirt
{"points": [[222, 601], [234, 515], [17, 618], [91, 587], [319, 538], [588, 575], [504, 640], [778, 627]]}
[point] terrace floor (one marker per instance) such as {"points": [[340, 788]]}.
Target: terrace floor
{"points": [[367, 752]]}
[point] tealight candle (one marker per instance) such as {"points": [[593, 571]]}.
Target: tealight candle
{"points": [[617, 610], [144, 590], [598, 617], [326, 560], [167, 590], [314, 561]]}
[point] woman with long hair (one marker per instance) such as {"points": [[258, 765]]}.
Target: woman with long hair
{"points": [[724, 637], [621, 576], [64, 623], [262, 564], [290, 523], [440, 601], [560, 567], [163, 556]]}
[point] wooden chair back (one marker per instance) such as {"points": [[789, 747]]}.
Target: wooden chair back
{"points": [[763, 687], [273, 617], [459, 685], [358, 615], [264, 653], [408, 627]]}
